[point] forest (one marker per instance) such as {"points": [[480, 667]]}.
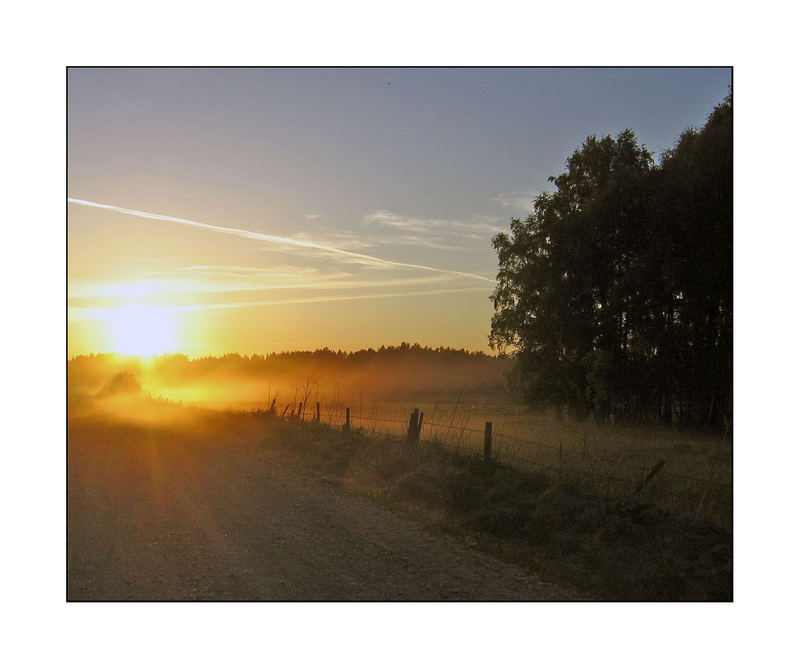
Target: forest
{"points": [[389, 371]]}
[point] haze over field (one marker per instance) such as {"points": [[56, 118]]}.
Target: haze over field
{"points": [[256, 210], [233, 381]]}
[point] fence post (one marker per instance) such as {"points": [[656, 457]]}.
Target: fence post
{"points": [[413, 424], [300, 412], [347, 420], [419, 424], [317, 417], [487, 443]]}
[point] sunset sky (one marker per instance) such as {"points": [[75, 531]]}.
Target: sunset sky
{"points": [[259, 210]]}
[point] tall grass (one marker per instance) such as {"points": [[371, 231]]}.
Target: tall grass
{"points": [[608, 461]]}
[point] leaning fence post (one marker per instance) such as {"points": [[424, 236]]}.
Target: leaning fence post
{"points": [[317, 417], [487, 443], [347, 420], [656, 468], [419, 424], [300, 412]]}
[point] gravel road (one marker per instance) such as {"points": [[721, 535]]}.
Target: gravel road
{"points": [[155, 518]]}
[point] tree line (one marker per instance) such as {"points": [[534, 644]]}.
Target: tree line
{"points": [[616, 293], [407, 368]]}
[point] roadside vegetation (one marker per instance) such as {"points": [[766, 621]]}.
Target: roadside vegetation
{"points": [[615, 548], [607, 550]]}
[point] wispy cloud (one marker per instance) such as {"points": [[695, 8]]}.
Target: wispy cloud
{"points": [[340, 239], [327, 298], [207, 279], [520, 200], [311, 217], [429, 242], [107, 313], [199, 279], [487, 225], [352, 256]]}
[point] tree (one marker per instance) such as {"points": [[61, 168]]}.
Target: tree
{"points": [[616, 292], [694, 209], [562, 297]]}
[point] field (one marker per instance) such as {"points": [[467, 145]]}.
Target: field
{"points": [[605, 511], [694, 480]]}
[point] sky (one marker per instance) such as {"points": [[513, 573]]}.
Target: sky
{"points": [[257, 210]]}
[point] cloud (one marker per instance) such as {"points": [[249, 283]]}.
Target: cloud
{"points": [[486, 225], [326, 298], [429, 242], [347, 240], [209, 279], [521, 200], [106, 313], [311, 217], [331, 251]]}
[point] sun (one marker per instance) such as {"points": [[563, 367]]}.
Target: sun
{"points": [[143, 330]]}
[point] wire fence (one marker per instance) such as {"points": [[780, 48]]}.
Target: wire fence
{"points": [[588, 472]]}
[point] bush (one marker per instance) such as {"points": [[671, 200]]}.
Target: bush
{"points": [[124, 383]]}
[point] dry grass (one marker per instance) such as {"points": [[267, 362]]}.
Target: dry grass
{"points": [[608, 461], [623, 549], [616, 547]]}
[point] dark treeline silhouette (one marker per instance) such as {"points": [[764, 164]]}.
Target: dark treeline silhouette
{"points": [[387, 370], [616, 293]]}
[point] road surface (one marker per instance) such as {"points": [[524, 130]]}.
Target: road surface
{"points": [[155, 518]]}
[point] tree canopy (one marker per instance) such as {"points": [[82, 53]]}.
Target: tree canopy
{"points": [[616, 293]]}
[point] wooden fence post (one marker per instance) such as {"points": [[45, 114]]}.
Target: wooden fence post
{"points": [[413, 423], [347, 420], [419, 424], [487, 443], [300, 412], [317, 417]]}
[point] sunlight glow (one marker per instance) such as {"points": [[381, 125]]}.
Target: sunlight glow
{"points": [[143, 330]]}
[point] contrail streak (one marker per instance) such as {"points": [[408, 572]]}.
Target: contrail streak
{"points": [[311, 300], [260, 236], [102, 313]]}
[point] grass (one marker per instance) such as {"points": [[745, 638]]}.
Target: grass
{"points": [[695, 480], [600, 459], [617, 547], [622, 550]]}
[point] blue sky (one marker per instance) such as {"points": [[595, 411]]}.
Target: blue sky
{"points": [[393, 167]]}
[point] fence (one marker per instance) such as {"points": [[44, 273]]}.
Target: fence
{"points": [[587, 472]]}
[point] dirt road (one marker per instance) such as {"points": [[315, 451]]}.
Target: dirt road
{"points": [[154, 516]]}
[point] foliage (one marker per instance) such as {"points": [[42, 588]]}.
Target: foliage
{"points": [[122, 384], [402, 369], [616, 292], [608, 551]]}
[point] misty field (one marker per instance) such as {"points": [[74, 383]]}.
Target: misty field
{"points": [[168, 452], [458, 393]]}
